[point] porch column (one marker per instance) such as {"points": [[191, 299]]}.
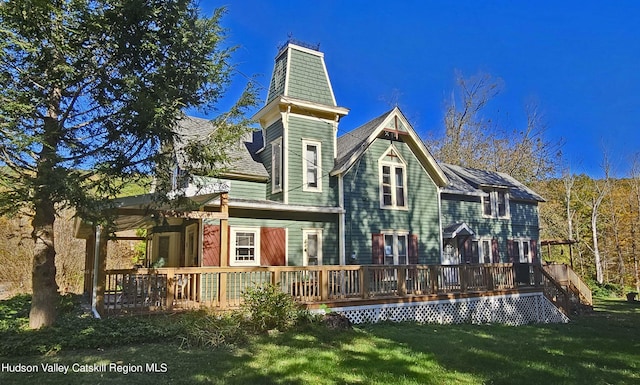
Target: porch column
{"points": [[90, 244], [224, 248], [99, 269]]}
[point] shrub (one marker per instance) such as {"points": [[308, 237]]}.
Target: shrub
{"points": [[213, 330], [267, 308]]}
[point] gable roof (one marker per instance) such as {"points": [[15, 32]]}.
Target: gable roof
{"points": [[470, 181], [243, 159], [352, 145]]}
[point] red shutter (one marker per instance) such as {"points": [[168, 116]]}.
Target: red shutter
{"points": [[413, 249], [377, 249], [495, 250], [272, 246], [211, 245], [534, 251], [510, 252]]}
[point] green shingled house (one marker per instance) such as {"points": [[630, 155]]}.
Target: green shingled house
{"points": [[299, 194], [321, 215]]}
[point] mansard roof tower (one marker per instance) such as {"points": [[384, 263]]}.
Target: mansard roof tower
{"points": [[299, 125]]}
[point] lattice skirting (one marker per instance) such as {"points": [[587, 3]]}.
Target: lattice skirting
{"points": [[513, 309]]}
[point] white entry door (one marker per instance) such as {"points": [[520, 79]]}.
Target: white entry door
{"points": [[312, 247]]}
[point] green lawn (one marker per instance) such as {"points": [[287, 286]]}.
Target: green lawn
{"points": [[599, 348]]}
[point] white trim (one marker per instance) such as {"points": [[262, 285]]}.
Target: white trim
{"points": [[232, 245], [286, 246], [440, 232], [305, 234], [276, 206], [424, 153], [276, 188], [393, 166], [492, 195], [521, 241], [286, 74], [395, 251], [341, 223], [305, 165], [285, 156], [481, 241]]}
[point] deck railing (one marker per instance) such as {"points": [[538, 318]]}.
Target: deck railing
{"points": [[165, 289]]}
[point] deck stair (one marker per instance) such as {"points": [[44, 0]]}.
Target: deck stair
{"points": [[580, 297]]}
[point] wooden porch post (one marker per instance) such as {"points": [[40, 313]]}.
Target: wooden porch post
{"points": [[224, 249], [100, 268], [89, 254]]}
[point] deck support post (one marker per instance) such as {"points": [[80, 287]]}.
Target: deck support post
{"points": [[402, 281], [364, 281], [324, 284]]}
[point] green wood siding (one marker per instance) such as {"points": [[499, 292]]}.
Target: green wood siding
{"points": [[243, 189], [522, 223], [295, 224], [314, 130], [365, 217], [307, 78], [271, 133]]}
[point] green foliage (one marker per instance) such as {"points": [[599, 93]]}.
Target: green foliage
{"points": [[605, 290], [268, 307], [76, 329], [206, 329]]}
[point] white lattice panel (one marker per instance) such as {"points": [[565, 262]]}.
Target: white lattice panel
{"points": [[509, 309]]}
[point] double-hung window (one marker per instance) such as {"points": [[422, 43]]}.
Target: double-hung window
{"points": [[245, 246], [495, 204], [393, 181], [311, 164]]}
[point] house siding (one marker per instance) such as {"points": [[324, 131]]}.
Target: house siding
{"points": [[522, 222], [313, 129], [272, 133], [364, 216], [242, 189], [294, 225]]}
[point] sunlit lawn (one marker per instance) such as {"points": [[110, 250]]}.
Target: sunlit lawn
{"points": [[599, 348]]}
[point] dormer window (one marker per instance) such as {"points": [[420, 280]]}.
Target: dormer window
{"points": [[312, 166], [495, 203], [393, 181]]}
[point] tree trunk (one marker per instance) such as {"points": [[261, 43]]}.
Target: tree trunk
{"points": [[43, 275], [45, 288], [596, 249]]}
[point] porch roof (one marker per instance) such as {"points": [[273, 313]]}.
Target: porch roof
{"points": [[456, 229], [138, 211]]}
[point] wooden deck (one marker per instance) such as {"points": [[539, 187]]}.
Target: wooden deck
{"points": [[171, 289]]}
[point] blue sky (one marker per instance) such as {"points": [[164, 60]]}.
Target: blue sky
{"points": [[579, 61]]}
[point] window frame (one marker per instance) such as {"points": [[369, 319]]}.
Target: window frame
{"points": [[305, 166], [519, 244], [395, 246], [492, 197], [233, 232], [276, 158], [400, 164]]}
